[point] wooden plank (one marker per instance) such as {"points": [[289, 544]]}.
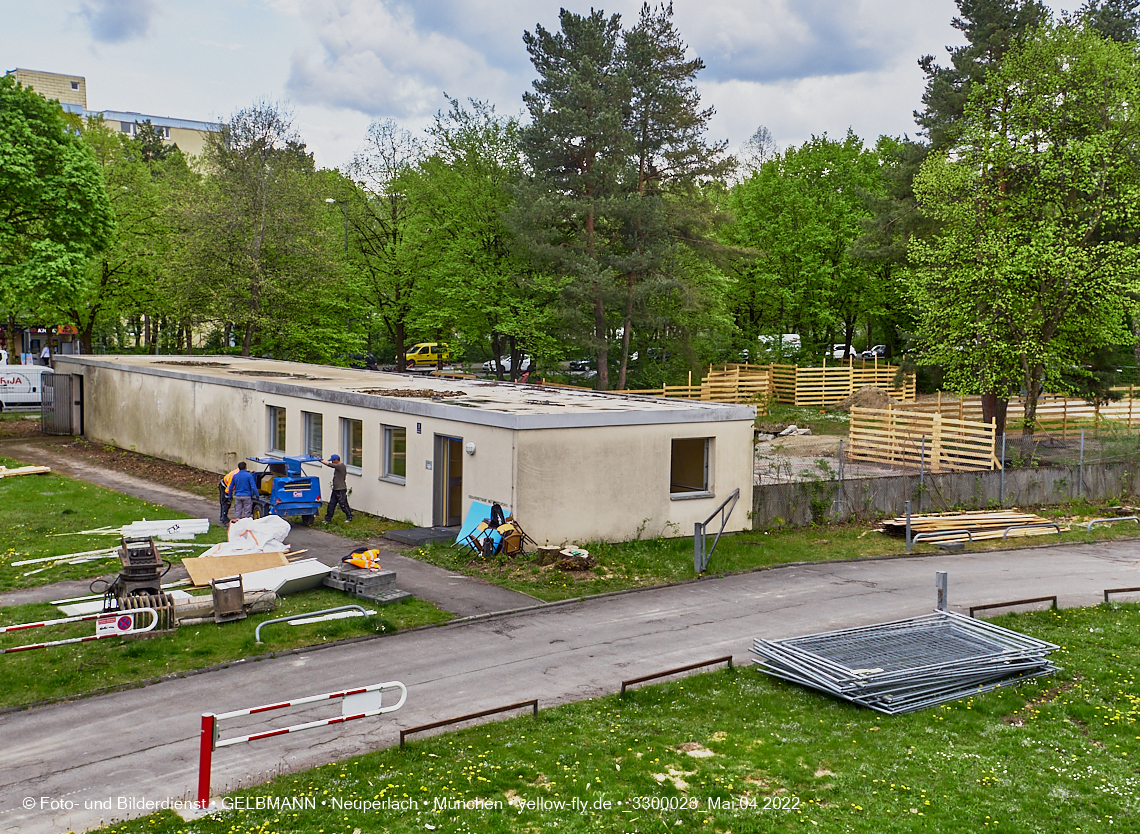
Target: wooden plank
{"points": [[204, 568], [5, 472]]}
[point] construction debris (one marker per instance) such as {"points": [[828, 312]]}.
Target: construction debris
{"points": [[866, 397], [374, 585], [5, 472], [907, 665], [250, 535], [204, 569], [172, 529], [982, 525]]}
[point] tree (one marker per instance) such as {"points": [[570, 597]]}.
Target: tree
{"points": [[1029, 269], [803, 211], [578, 145], [54, 212], [476, 279], [381, 215], [992, 28], [1117, 20], [760, 147], [261, 246]]}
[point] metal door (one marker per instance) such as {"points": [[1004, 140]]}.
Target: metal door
{"points": [[447, 467], [56, 404]]}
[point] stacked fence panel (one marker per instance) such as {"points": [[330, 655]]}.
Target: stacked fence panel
{"points": [[921, 440]]}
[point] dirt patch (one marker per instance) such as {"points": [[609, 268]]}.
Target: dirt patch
{"points": [[20, 427], [866, 397], [177, 475], [421, 393]]}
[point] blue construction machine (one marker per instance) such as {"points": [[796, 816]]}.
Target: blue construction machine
{"points": [[284, 489]]}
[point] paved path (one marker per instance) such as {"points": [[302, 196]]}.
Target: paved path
{"points": [[461, 595], [143, 743]]}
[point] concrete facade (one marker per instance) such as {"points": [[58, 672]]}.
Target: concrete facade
{"points": [[573, 466], [66, 89]]}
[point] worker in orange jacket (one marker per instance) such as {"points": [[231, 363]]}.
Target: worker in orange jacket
{"points": [[224, 497]]}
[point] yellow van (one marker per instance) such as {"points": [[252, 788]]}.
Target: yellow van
{"points": [[428, 353]]}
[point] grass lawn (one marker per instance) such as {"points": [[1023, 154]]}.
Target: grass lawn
{"points": [[819, 420], [655, 561], [60, 671], [1053, 755], [35, 508]]}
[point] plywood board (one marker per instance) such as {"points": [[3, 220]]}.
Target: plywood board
{"points": [[204, 568]]}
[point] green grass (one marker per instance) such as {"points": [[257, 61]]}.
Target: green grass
{"points": [[1053, 755], [363, 526], [34, 509], [647, 562], [819, 420], [60, 671]]}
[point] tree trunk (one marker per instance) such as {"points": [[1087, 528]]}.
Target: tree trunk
{"points": [[626, 334], [247, 340], [603, 356], [994, 408]]}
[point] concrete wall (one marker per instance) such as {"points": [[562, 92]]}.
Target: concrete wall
{"points": [[624, 471], [569, 484], [807, 501]]}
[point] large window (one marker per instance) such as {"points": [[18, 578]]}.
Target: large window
{"points": [[352, 444], [276, 429], [313, 433], [689, 468], [395, 464]]}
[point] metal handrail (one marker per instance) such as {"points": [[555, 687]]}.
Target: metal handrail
{"points": [[1052, 524], [1088, 527], [700, 558], [260, 626], [932, 536]]}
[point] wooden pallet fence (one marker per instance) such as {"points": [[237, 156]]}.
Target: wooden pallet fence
{"points": [[1057, 414], [892, 437], [728, 384]]}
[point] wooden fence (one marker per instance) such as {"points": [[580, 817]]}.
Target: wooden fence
{"points": [[730, 384], [893, 437], [830, 384], [1057, 414]]}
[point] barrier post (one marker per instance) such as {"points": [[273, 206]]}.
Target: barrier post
{"points": [[209, 736]]}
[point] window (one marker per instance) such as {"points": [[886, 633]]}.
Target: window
{"points": [[127, 127], [689, 468], [276, 429], [395, 464], [352, 444], [313, 428], [75, 85]]}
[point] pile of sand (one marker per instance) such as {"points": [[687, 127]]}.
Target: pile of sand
{"points": [[866, 397]]}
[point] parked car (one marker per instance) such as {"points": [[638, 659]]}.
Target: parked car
{"points": [[580, 365], [505, 364], [20, 386], [840, 351], [877, 352], [428, 353], [363, 361]]}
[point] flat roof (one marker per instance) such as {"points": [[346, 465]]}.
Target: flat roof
{"points": [[479, 401], [157, 121]]}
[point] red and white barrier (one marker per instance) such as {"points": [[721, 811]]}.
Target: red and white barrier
{"points": [[108, 624], [358, 703]]}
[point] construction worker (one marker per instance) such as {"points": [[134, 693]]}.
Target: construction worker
{"points": [[224, 497], [242, 490], [339, 495]]}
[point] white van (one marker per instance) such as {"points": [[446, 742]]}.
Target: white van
{"points": [[21, 386]]}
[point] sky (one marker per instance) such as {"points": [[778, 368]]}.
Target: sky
{"points": [[798, 67]]}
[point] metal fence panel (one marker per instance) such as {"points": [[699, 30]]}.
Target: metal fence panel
{"points": [[56, 403]]}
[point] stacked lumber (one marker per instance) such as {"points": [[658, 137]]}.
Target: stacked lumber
{"points": [[5, 472], [982, 525]]}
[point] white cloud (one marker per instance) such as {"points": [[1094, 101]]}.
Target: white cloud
{"points": [[374, 59]]}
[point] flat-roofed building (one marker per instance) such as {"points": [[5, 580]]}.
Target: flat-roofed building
{"points": [[573, 465], [71, 91]]}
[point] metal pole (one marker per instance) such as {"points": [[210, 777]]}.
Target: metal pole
{"points": [[206, 752], [1001, 493], [698, 547], [839, 492], [1081, 469], [940, 584], [921, 471], [908, 527]]}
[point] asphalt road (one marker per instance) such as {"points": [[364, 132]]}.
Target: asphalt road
{"points": [[143, 743]]}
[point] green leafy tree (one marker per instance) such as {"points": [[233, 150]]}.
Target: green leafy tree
{"points": [[476, 280], [380, 215], [1029, 269], [803, 211], [54, 212], [263, 254]]}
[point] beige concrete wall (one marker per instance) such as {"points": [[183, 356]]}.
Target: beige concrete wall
{"points": [[188, 141], [577, 485], [53, 85], [566, 485], [212, 427]]}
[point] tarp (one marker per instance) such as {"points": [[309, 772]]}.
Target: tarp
{"points": [[248, 535], [476, 515]]}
